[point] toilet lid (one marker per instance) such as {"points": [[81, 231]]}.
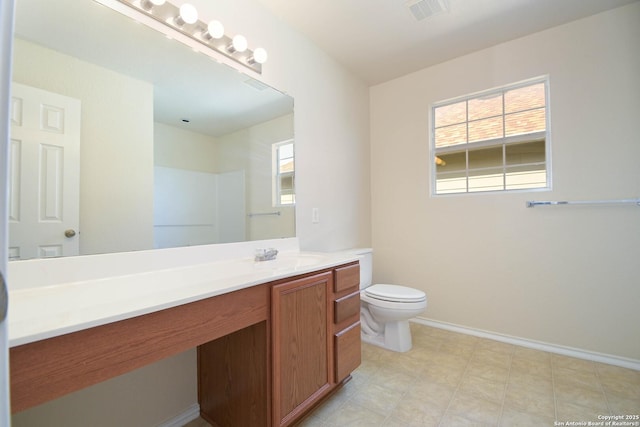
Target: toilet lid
{"points": [[395, 293]]}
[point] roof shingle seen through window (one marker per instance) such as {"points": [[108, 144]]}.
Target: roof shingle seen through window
{"points": [[483, 118], [451, 114], [524, 98]]}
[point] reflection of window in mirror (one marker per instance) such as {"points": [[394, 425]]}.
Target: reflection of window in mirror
{"points": [[283, 174]]}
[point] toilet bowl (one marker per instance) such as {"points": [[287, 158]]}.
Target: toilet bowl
{"points": [[385, 309]]}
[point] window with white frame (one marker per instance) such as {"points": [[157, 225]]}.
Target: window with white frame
{"points": [[284, 174], [496, 140]]}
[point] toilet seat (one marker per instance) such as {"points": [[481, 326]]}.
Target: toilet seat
{"points": [[395, 293], [393, 305]]}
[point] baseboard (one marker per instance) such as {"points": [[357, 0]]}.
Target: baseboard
{"points": [[190, 414], [537, 345]]}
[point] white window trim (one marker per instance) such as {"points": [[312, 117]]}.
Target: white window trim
{"points": [[493, 142]]}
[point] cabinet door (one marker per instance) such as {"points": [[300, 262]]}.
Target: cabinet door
{"points": [[302, 345]]}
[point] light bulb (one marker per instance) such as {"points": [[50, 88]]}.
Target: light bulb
{"points": [[149, 4], [260, 55], [215, 30], [188, 15], [239, 43]]}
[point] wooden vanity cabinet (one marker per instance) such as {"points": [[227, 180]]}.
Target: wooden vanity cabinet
{"points": [[301, 345], [313, 334], [267, 354], [315, 339]]}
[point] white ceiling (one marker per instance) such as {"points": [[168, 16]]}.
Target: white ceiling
{"points": [[380, 40]]}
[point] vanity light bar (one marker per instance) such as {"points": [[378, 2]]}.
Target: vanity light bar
{"points": [[184, 19]]}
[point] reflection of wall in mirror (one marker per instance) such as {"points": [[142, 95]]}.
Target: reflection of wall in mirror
{"points": [[197, 208], [194, 204], [258, 141], [178, 148], [246, 152], [116, 173]]}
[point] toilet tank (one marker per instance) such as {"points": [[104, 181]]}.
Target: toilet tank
{"points": [[366, 265]]}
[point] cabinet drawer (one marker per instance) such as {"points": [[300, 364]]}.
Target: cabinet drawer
{"points": [[348, 351], [346, 278], [346, 307]]}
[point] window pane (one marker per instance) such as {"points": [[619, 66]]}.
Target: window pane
{"points": [[452, 162], [451, 183], [451, 135], [451, 175], [451, 186], [524, 98], [480, 108], [286, 166], [528, 152], [485, 158], [285, 151], [486, 180], [520, 177], [284, 173], [525, 122], [286, 183], [485, 129], [287, 199], [450, 114]]}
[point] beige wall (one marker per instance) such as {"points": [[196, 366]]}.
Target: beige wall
{"points": [[561, 275], [116, 151]]}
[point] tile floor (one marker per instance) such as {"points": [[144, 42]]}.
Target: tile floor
{"points": [[452, 379]]}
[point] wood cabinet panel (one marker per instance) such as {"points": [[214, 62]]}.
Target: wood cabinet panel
{"points": [[232, 378], [348, 351], [302, 346], [346, 307], [347, 277]]}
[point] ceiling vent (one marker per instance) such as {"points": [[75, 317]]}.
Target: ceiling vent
{"points": [[422, 9]]}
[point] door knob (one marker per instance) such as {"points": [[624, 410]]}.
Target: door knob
{"points": [[69, 233]]}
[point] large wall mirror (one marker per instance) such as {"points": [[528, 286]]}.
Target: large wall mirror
{"points": [[123, 139]]}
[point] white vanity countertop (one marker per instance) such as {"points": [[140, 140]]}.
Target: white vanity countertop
{"points": [[47, 311]]}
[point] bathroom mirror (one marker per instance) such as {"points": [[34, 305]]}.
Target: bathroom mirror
{"points": [[166, 146]]}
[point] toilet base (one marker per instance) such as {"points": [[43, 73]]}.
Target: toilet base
{"points": [[396, 337]]}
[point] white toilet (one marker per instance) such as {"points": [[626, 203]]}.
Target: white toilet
{"points": [[385, 310]]}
